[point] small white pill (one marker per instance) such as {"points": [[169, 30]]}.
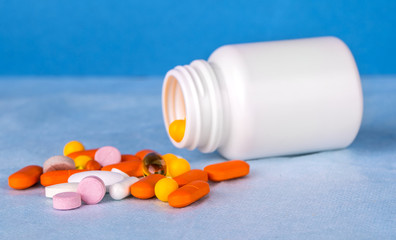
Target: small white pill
{"points": [[121, 189], [109, 178], [52, 190]]}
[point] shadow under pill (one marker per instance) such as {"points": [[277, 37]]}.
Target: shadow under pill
{"points": [[106, 199], [199, 201], [34, 190]]}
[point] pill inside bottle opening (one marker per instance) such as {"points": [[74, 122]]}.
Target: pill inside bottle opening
{"points": [[177, 129], [174, 107]]}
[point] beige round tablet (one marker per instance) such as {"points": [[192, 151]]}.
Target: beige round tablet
{"points": [[58, 163]]}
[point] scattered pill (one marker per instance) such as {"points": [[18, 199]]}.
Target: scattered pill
{"points": [[56, 177], [164, 187], [92, 189], [139, 169], [177, 129], [73, 146], [52, 190], [169, 156], [153, 164], [121, 189], [107, 155], [227, 170], [127, 157], [188, 194], [92, 165], [177, 166], [109, 178], [192, 175], [58, 163], [116, 170], [142, 153], [25, 177], [89, 153], [81, 161], [132, 167], [144, 188], [66, 200]]}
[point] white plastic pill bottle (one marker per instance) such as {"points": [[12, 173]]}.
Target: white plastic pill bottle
{"points": [[267, 99]]}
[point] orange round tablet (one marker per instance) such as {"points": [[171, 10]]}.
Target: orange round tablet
{"points": [[92, 165]]}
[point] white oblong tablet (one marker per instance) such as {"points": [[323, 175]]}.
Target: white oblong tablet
{"points": [[121, 189], [52, 190], [109, 178], [119, 171]]}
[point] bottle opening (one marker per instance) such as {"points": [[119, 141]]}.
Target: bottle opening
{"points": [[173, 101], [180, 101], [190, 94]]}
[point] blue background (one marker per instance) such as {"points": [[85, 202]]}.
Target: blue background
{"points": [[343, 194], [124, 38]]}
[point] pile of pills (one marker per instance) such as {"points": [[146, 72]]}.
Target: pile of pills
{"points": [[81, 175]]}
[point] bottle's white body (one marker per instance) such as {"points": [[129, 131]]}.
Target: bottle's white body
{"points": [[286, 97]]}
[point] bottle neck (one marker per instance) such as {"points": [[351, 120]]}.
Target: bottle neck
{"points": [[192, 92]]}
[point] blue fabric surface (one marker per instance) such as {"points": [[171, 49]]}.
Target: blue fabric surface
{"points": [[345, 194]]}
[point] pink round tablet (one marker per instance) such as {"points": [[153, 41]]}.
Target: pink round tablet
{"points": [[107, 155], [66, 200], [92, 189]]}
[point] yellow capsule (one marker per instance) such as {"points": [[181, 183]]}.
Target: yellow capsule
{"points": [[73, 146], [178, 166], [175, 165], [164, 187], [177, 129], [153, 163], [81, 161], [168, 158]]}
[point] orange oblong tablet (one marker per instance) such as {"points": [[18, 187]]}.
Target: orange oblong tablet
{"points": [[142, 153], [56, 177], [188, 194], [227, 170], [89, 153], [25, 177], [134, 168], [127, 157], [144, 188], [192, 175]]}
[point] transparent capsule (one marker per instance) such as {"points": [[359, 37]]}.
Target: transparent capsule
{"points": [[153, 163]]}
